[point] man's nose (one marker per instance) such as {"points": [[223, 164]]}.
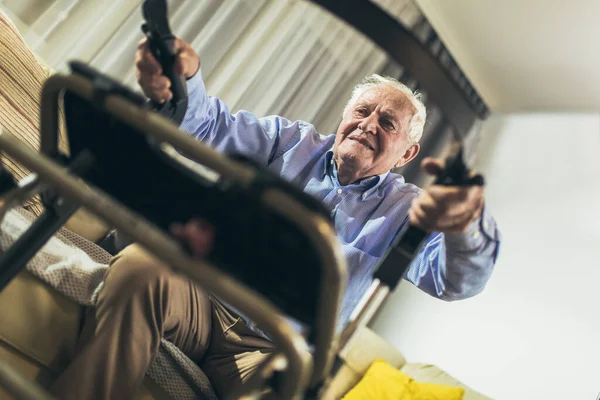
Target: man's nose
{"points": [[369, 124]]}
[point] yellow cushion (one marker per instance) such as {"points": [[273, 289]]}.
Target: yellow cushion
{"points": [[432, 374], [382, 381]]}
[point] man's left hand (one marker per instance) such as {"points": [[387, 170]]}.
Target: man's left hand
{"points": [[446, 209]]}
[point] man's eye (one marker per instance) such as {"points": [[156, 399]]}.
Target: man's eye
{"points": [[387, 124], [361, 111]]}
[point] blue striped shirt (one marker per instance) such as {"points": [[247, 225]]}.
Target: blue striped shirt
{"points": [[367, 215]]}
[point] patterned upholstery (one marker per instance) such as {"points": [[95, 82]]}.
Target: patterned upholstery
{"points": [[22, 76]]}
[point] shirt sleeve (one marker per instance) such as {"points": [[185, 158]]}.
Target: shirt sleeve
{"points": [[457, 266], [209, 120]]}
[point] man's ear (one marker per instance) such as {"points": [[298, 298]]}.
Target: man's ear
{"points": [[409, 155]]}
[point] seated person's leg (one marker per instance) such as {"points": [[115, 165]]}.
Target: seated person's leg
{"points": [[235, 351], [141, 302]]}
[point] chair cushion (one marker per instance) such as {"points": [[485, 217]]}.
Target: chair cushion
{"points": [[39, 322], [39, 331], [25, 367], [364, 347]]}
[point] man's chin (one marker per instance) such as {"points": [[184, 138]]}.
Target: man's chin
{"points": [[355, 156], [357, 149]]}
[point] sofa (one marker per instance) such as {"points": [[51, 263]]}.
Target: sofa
{"points": [[40, 326]]}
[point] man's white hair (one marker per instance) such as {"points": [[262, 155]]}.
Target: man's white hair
{"points": [[417, 122]]}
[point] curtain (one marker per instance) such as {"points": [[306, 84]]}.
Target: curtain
{"points": [[285, 57]]}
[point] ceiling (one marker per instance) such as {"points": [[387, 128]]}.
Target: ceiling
{"points": [[525, 55]]}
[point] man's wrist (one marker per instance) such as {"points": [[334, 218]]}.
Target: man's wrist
{"points": [[194, 74], [194, 82], [480, 231]]}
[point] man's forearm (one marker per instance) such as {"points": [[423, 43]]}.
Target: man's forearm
{"points": [[197, 104], [470, 258], [458, 266]]}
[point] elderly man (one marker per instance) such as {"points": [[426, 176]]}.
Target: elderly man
{"points": [[349, 172]]}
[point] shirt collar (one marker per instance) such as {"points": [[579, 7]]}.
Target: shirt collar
{"points": [[372, 184], [368, 185], [327, 164]]}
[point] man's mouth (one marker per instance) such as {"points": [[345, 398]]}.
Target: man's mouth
{"points": [[364, 142]]}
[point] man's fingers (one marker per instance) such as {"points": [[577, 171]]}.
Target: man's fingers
{"points": [[458, 224], [142, 43], [154, 92], [424, 214], [179, 45], [417, 211], [146, 63], [421, 220], [155, 86], [144, 60], [434, 224], [155, 82], [447, 209], [460, 227], [452, 193], [148, 69], [426, 211], [432, 166], [456, 209], [430, 205]]}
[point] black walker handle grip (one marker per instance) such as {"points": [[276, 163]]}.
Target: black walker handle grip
{"points": [[164, 52], [162, 45]]}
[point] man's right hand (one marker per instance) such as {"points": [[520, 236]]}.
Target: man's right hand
{"points": [[149, 72]]}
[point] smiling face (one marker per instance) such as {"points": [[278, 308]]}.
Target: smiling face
{"points": [[373, 135]]}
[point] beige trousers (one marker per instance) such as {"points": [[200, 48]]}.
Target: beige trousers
{"points": [[141, 302]]}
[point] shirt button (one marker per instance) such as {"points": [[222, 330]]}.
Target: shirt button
{"points": [[485, 225], [339, 191], [365, 195], [475, 234]]}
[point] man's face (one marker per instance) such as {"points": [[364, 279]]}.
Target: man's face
{"points": [[372, 137]]}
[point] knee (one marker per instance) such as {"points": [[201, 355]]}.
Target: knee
{"points": [[132, 271]]}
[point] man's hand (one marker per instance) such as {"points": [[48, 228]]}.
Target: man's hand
{"points": [[149, 72], [197, 234], [447, 209]]}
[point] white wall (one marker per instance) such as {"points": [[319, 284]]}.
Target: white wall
{"points": [[534, 333]]}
